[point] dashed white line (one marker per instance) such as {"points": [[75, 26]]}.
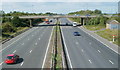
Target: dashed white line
{"points": [[90, 61], [111, 62], [99, 41], [22, 43], [35, 43], [99, 51], [21, 64], [1, 63], [28, 39], [82, 50], [90, 43], [16, 40], [39, 38], [30, 51], [77, 43], [14, 51]]}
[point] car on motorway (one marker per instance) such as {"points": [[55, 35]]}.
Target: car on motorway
{"points": [[74, 24], [76, 33], [66, 23], [11, 58]]}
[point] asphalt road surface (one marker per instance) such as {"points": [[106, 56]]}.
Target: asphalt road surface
{"points": [[84, 51], [30, 46]]}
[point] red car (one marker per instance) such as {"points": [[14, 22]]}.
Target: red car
{"points": [[11, 58]]}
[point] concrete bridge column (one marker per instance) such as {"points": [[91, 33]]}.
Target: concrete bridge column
{"points": [[82, 21], [30, 23]]}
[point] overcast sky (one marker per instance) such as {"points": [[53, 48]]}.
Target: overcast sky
{"points": [[59, 7], [60, 0]]}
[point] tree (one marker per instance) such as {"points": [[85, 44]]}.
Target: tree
{"points": [[97, 11], [7, 27], [16, 21]]}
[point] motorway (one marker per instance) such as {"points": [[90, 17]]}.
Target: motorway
{"points": [[30, 46], [84, 51]]}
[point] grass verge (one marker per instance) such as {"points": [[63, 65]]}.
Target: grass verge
{"points": [[94, 27], [107, 34]]}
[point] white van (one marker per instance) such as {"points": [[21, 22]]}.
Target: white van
{"points": [[74, 24]]}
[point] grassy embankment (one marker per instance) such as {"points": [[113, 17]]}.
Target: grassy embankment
{"points": [[7, 35], [107, 34]]}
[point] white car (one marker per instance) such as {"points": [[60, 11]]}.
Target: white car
{"points": [[74, 24]]}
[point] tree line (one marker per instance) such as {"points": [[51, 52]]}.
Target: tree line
{"points": [[94, 21]]}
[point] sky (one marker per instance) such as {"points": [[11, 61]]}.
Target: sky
{"points": [[59, 7], [60, 0]]}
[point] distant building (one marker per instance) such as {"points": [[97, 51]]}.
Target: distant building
{"points": [[113, 24]]}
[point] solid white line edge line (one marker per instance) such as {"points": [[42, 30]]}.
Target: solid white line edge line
{"points": [[47, 49], [67, 51]]}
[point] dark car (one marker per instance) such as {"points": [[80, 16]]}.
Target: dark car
{"points": [[66, 23], [12, 58], [76, 34]]}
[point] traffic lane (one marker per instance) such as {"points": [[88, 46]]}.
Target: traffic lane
{"points": [[108, 53], [99, 47], [73, 53], [13, 48], [17, 38], [90, 54], [20, 44], [36, 57], [16, 48], [102, 58], [64, 21], [24, 49], [77, 57]]}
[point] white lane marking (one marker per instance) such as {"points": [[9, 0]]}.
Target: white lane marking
{"points": [[99, 41], [39, 38], [82, 50], [90, 43], [111, 62], [14, 51], [99, 51], [12, 43], [32, 35], [90, 61], [21, 64], [1, 63], [22, 43], [67, 50], [28, 39], [47, 49], [77, 43], [35, 43], [30, 51]]}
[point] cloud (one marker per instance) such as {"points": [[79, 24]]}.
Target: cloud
{"points": [[59, 7], [60, 0]]}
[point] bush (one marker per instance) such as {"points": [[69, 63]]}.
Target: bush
{"points": [[7, 27]]}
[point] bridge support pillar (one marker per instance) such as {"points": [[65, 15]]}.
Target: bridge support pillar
{"points": [[30, 23], [82, 21], [57, 21]]}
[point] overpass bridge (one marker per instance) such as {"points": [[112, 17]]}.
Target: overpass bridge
{"points": [[82, 17]]}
